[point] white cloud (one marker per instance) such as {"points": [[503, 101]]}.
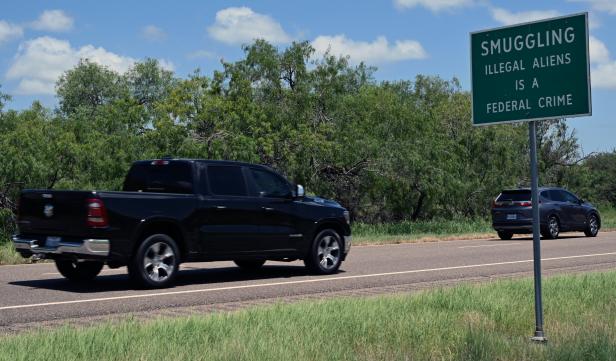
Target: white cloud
{"points": [[153, 33], [608, 6], [433, 5], [238, 25], [166, 64], [9, 31], [598, 51], [507, 17], [39, 63], [378, 51], [603, 73], [53, 20]]}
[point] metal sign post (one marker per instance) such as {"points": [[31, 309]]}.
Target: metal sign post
{"points": [[531, 72], [534, 188]]}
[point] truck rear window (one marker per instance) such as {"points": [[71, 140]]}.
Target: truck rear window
{"points": [[160, 177], [515, 196]]}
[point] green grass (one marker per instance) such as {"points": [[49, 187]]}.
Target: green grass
{"points": [[420, 230], [8, 255], [471, 322], [608, 218]]}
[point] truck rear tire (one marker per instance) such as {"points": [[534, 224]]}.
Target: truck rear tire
{"points": [[325, 254], [79, 271], [156, 262]]}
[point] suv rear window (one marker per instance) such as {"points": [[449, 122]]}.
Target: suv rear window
{"points": [[160, 177], [514, 196]]}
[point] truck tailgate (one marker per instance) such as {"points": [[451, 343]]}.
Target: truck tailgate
{"points": [[61, 213]]}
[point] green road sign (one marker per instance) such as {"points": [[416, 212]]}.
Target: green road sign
{"points": [[533, 71]]}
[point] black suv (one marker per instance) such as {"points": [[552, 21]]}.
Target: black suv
{"points": [[559, 211], [177, 210]]}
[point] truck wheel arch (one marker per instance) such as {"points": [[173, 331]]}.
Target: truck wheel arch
{"points": [[328, 224], [163, 226]]}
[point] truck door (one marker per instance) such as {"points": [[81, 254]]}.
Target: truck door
{"points": [[226, 214], [277, 217]]}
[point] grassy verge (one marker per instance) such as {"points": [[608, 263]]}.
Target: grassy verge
{"points": [[485, 322], [8, 255], [407, 231], [608, 218]]}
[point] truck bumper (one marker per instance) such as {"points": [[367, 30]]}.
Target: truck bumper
{"points": [[86, 247]]}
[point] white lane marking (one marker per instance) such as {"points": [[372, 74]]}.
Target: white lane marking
{"points": [[169, 293], [491, 245]]}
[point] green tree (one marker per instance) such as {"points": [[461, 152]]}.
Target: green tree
{"points": [[89, 86]]}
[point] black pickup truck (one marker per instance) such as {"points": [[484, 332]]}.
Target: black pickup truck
{"points": [[180, 210]]}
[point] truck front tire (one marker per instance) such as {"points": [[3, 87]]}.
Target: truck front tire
{"points": [[79, 271], [325, 254], [156, 262]]}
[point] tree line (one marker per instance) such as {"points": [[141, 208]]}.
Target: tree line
{"points": [[386, 150]]}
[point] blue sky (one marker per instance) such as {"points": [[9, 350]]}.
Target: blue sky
{"points": [[39, 40]]}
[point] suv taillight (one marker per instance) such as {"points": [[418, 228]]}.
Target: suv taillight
{"points": [[97, 214]]}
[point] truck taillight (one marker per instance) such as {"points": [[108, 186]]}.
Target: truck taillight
{"points": [[97, 214]]}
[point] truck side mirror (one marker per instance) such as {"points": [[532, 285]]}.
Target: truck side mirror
{"points": [[299, 191]]}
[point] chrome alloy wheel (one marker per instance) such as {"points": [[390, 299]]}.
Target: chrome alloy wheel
{"points": [[553, 227], [159, 261], [593, 225], [328, 252]]}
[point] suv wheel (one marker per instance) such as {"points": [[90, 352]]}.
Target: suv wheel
{"points": [[325, 255], [593, 226], [505, 235], [552, 229], [249, 265], [156, 262], [80, 271]]}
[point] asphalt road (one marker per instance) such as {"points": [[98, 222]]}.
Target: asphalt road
{"points": [[35, 295]]}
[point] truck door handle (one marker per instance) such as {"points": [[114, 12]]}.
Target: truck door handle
{"points": [[221, 207], [267, 209]]}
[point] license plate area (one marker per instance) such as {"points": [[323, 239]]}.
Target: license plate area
{"points": [[512, 217], [52, 242]]}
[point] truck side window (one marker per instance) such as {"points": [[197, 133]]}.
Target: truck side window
{"points": [[169, 177], [269, 185], [226, 180]]}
